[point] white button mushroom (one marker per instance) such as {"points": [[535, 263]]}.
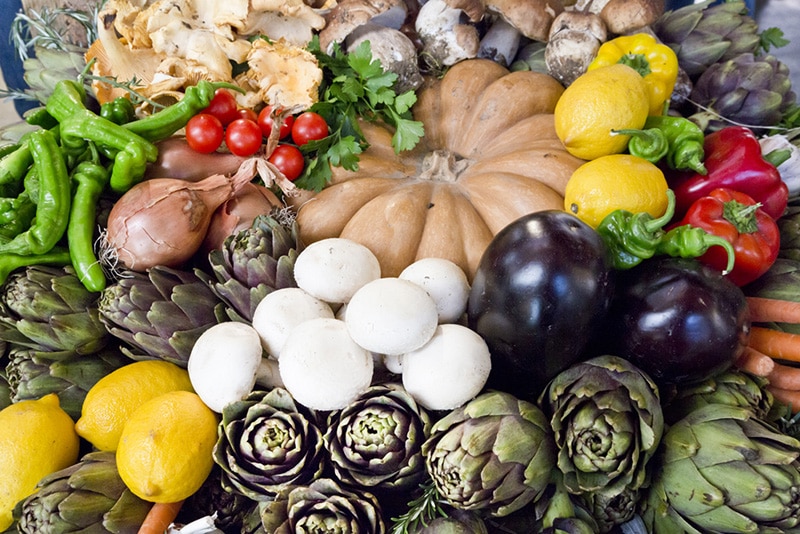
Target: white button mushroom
{"points": [[280, 311], [334, 269], [322, 367], [445, 282], [449, 370], [391, 316], [223, 363]]}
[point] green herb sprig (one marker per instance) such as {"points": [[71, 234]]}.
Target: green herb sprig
{"points": [[421, 511], [354, 87]]}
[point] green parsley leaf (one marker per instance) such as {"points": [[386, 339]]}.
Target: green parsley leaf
{"points": [[354, 86], [772, 37]]}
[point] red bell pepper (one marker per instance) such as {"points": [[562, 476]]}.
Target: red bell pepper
{"points": [[740, 220], [734, 160]]}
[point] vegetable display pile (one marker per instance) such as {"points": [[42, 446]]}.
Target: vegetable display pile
{"points": [[347, 267]]}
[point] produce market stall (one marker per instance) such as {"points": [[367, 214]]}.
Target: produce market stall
{"points": [[400, 267]]}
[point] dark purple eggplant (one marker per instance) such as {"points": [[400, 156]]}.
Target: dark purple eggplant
{"points": [[677, 320], [542, 287]]}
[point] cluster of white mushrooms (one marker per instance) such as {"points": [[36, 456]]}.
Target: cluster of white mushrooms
{"points": [[324, 340]]}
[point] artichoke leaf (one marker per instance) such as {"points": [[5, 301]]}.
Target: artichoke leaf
{"points": [[688, 487]]}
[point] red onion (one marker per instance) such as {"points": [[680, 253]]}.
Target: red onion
{"points": [[163, 221], [176, 159]]}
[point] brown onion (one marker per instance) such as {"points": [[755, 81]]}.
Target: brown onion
{"points": [[238, 213], [176, 159], [163, 221]]}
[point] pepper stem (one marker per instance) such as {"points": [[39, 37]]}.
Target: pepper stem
{"points": [[741, 216]]}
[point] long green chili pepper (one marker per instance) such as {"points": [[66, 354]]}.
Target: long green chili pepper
{"points": [[11, 262], [68, 97], [676, 138], [91, 179], [634, 237], [166, 122], [133, 152], [40, 117], [689, 241], [52, 207]]}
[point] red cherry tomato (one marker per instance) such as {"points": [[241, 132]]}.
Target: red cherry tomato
{"points": [[247, 113], [265, 122], [204, 133], [308, 126], [223, 106], [243, 137], [289, 161]]}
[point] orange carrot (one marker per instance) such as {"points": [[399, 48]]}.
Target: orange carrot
{"points": [[788, 397], [755, 362], [160, 517], [775, 343], [766, 310], [784, 377]]}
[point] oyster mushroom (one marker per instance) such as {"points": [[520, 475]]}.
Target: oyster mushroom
{"points": [[511, 20]]}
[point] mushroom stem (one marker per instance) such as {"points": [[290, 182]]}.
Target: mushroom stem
{"points": [[500, 43]]}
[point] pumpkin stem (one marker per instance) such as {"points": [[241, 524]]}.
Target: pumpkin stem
{"points": [[442, 166]]}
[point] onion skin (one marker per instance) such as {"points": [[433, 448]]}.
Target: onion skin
{"points": [[238, 213], [163, 221], [176, 159]]}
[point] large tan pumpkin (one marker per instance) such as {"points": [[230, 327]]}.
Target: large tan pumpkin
{"points": [[489, 155]]}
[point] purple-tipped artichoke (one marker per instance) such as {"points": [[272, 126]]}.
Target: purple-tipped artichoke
{"points": [[323, 507], [607, 421], [266, 442], [376, 441], [493, 454], [48, 309], [747, 89], [252, 263], [704, 33], [161, 313], [722, 469]]}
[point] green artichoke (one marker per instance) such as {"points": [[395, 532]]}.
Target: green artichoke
{"points": [[789, 226], [732, 387], [162, 313], [493, 454], [747, 89], [607, 421], [32, 374], [560, 511], [703, 34], [267, 442], [323, 507], [48, 308], [252, 263], [722, 469], [376, 441], [88, 496]]}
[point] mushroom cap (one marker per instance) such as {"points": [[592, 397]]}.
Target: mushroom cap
{"points": [[532, 18], [348, 15], [322, 367], [391, 316], [280, 311], [333, 269], [449, 370], [623, 16], [445, 282]]}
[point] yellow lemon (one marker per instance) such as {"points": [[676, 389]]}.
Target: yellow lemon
{"points": [[618, 181], [37, 437], [596, 103], [114, 398], [164, 453]]}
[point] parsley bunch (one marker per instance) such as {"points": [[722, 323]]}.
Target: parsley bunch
{"points": [[354, 86]]}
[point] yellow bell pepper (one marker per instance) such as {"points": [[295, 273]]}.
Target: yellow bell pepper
{"points": [[656, 62]]}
